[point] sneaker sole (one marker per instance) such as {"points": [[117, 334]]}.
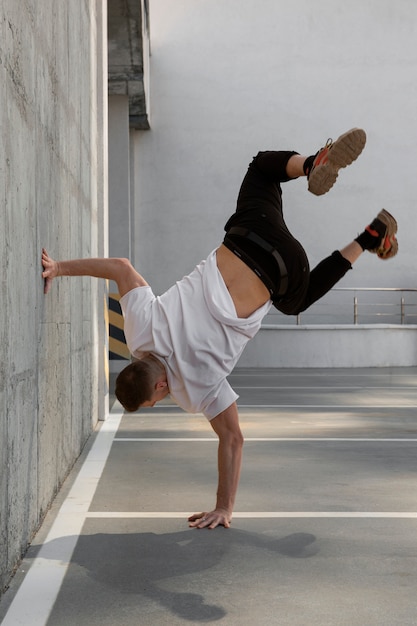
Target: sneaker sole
{"points": [[389, 244], [343, 152]]}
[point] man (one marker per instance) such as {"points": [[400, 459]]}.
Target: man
{"points": [[189, 339]]}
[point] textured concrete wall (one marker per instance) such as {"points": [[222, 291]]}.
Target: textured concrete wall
{"points": [[52, 162]]}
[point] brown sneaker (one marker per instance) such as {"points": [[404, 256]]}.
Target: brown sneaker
{"points": [[330, 159], [384, 225]]}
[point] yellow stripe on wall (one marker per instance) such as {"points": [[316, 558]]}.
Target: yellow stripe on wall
{"points": [[119, 348], [116, 320]]}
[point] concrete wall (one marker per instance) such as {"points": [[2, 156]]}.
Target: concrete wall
{"points": [[377, 345], [53, 117], [230, 78]]}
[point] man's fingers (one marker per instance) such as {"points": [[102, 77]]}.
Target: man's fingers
{"points": [[46, 264], [201, 520], [208, 520], [47, 285], [198, 520]]}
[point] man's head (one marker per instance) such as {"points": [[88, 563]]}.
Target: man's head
{"points": [[142, 383]]}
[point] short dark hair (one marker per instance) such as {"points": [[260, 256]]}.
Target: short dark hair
{"points": [[134, 385]]}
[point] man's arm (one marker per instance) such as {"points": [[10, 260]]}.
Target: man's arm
{"points": [[226, 426], [119, 270]]}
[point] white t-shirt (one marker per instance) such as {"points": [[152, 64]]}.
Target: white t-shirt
{"points": [[194, 330]]}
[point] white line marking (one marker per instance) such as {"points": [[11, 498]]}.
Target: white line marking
{"points": [[172, 411], [155, 439], [327, 387], [319, 373], [381, 406], [40, 587], [249, 439], [255, 514]]}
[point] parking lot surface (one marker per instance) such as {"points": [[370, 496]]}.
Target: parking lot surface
{"points": [[324, 530]]}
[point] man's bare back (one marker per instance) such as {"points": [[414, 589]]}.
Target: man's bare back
{"points": [[247, 290]]}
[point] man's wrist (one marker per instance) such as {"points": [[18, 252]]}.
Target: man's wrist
{"points": [[224, 509]]}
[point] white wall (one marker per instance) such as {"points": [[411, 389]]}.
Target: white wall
{"points": [[230, 78]]}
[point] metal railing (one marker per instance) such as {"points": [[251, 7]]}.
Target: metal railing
{"points": [[356, 305]]}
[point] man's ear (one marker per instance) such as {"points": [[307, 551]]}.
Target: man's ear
{"points": [[161, 384]]}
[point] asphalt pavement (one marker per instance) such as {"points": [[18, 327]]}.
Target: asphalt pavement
{"points": [[325, 525]]}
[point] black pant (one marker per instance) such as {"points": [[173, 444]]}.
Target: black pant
{"points": [[259, 209]]}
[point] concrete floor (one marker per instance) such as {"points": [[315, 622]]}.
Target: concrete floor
{"points": [[325, 529]]}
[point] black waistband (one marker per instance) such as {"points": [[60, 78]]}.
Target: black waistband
{"points": [[248, 234]]}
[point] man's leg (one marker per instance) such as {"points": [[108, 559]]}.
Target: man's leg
{"points": [[259, 209], [260, 189], [261, 185], [259, 202], [295, 166], [379, 238]]}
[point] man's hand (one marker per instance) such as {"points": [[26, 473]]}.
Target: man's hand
{"points": [[218, 517], [50, 272]]}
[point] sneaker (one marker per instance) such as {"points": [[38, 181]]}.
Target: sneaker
{"points": [[384, 226], [330, 159]]}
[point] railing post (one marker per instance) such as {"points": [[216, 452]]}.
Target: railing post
{"points": [[355, 310], [402, 310]]}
